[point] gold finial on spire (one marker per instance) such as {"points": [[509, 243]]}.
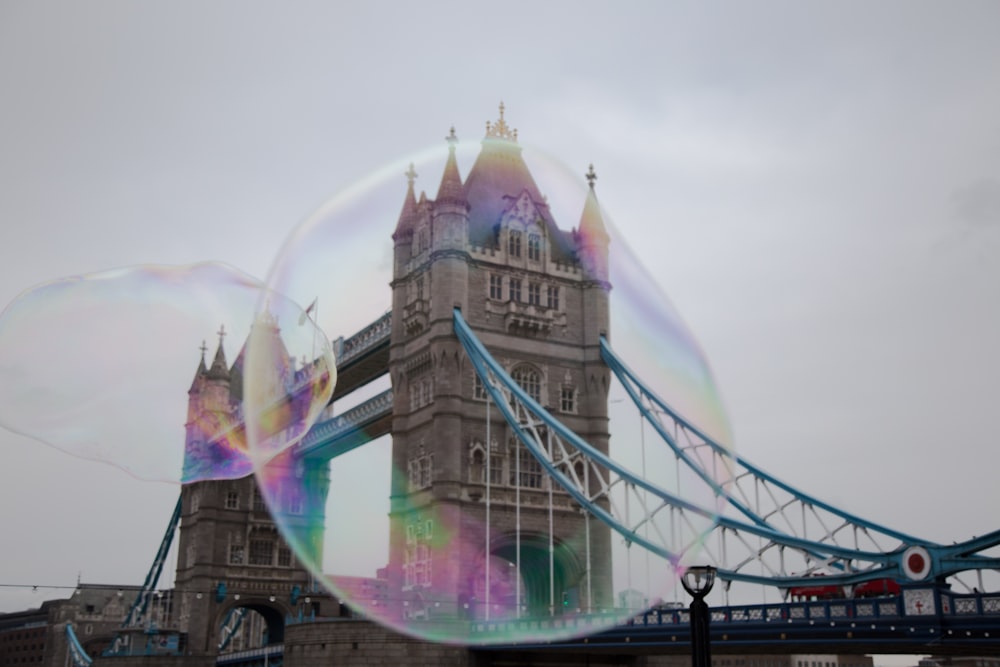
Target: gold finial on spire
{"points": [[411, 175], [500, 129], [591, 176], [221, 332], [204, 349], [452, 138]]}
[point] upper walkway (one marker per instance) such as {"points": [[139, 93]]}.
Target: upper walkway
{"points": [[362, 357]]}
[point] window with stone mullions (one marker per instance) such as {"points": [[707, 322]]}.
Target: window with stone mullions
{"points": [[236, 554], [496, 469], [531, 471], [534, 247], [515, 289], [258, 501], [261, 552], [420, 470], [534, 294], [426, 466], [553, 294], [529, 380], [567, 399], [478, 388], [514, 244], [496, 286]]}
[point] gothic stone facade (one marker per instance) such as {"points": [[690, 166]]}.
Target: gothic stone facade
{"points": [[537, 296]]}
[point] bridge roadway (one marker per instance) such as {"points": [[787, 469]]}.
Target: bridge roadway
{"points": [[971, 626], [363, 357]]}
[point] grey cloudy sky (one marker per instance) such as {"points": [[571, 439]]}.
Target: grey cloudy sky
{"points": [[816, 186]]}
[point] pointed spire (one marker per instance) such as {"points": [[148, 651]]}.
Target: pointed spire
{"points": [[451, 181], [219, 369], [199, 375], [591, 221], [409, 212]]}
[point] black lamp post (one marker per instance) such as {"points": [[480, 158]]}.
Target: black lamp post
{"points": [[697, 581]]}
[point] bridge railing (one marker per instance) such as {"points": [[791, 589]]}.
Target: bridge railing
{"points": [[251, 655], [787, 613], [325, 431], [976, 604], [346, 349]]}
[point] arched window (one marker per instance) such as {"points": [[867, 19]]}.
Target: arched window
{"points": [[529, 380], [477, 466]]}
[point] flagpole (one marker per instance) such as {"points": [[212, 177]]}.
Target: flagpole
{"points": [[312, 359]]}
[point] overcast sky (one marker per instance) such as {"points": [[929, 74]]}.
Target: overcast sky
{"points": [[817, 188]]}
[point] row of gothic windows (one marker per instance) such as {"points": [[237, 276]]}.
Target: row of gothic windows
{"points": [[506, 471], [261, 552], [516, 292], [530, 380], [232, 502], [515, 466]]}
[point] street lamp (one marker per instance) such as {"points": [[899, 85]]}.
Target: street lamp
{"points": [[697, 581]]}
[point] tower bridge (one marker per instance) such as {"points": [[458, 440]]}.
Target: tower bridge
{"points": [[502, 434]]}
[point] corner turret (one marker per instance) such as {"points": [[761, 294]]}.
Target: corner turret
{"points": [[592, 236], [404, 227], [451, 210], [199, 376]]}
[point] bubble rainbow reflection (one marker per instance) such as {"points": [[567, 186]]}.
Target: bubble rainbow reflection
{"points": [[450, 530], [91, 365]]}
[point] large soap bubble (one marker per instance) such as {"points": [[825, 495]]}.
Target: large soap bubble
{"points": [[449, 529], [92, 365]]}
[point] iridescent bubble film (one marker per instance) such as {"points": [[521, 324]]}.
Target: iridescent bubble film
{"points": [[412, 498], [92, 364]]}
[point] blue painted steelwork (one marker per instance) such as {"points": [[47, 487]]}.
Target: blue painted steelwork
{"points": [[230, 625], [846, 625], [141, 603], [637, 391], [78, 656], [488, 368], [376, 333], [845, 565], [945, 559], [328, 439]]}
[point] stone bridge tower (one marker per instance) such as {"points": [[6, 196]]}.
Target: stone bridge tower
{"points": [[537, 296], [230, 555]]}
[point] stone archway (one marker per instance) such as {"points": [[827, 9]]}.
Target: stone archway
{"points": [[262, 624], [542, 588]]}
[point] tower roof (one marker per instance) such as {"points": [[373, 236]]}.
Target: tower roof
{"points": [[409, 212], [591, 221], [199, 374], [451, 180], [497, 178], [219, 369]]}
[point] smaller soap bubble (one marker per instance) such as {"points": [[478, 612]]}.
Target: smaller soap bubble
{"points": [[95, 365]]}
